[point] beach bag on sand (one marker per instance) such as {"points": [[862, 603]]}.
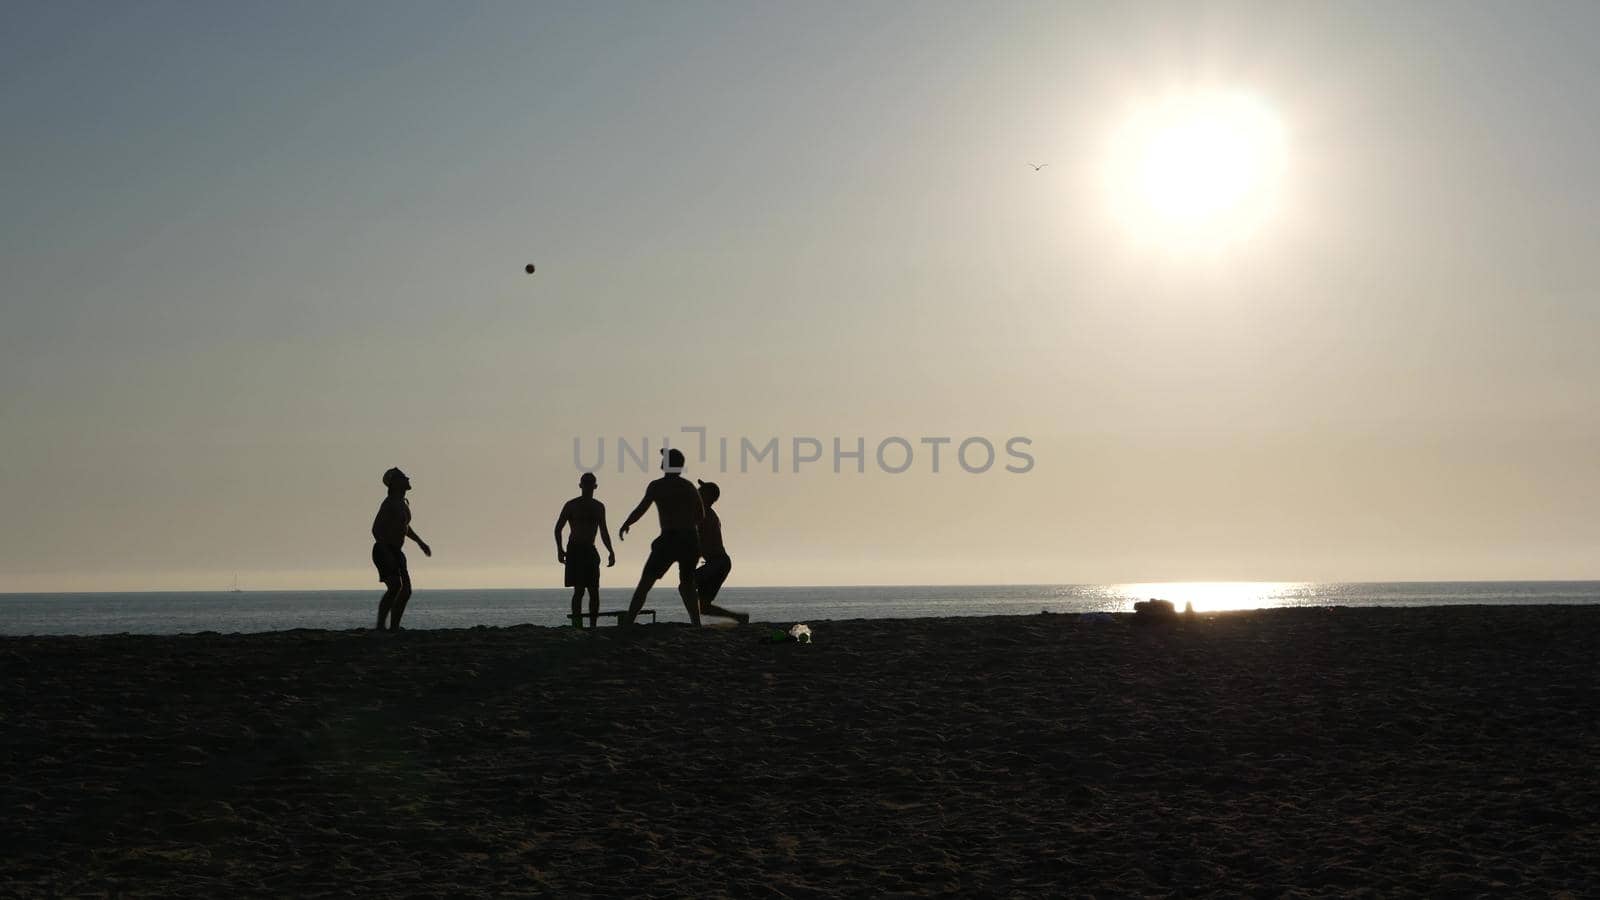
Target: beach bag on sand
{"points": [[1150, 610]]}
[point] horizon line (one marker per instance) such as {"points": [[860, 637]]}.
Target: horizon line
{"points": [[1080, 584]]}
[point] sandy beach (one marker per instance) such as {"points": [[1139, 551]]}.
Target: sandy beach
{"points": [[1423, 752]]}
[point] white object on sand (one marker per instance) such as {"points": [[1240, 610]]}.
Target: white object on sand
{"points": [[801, 634]]}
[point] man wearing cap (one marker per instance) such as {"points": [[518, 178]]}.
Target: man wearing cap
{"points": [[390, 529], [680, 512], [586, 515], [708, 578]]}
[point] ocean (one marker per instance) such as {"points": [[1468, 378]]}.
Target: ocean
{"points": [[247, 611]]}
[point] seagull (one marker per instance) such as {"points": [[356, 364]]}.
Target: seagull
{"points": [[1039, 166]]}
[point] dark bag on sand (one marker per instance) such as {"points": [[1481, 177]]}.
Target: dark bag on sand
{"points": [[1155, 609]]}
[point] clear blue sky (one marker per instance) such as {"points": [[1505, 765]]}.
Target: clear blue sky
{"points": [[252, 255]]}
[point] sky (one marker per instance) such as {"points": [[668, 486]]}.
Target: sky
{"points": [[253, 255]]}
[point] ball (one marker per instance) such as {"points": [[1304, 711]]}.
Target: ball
{"points": [[528, 268]]}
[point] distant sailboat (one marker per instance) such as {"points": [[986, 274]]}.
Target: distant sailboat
{"points": [[236, 589]]}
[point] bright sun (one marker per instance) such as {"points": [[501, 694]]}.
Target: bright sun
{"points": [[1198, 170]]}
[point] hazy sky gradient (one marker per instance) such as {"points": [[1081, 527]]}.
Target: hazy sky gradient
{"points": [[253, 255]]}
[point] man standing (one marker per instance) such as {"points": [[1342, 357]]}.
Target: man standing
{"points": [[586, 515], [708, 578], [390, 528], [680, 512]]}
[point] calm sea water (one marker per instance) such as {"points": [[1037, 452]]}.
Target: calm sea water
{"points": [[176, 613]]}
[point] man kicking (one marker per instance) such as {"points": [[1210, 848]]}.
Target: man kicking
{"points": [[680, 512], [390, 528], [708, 578], [586, 515]]}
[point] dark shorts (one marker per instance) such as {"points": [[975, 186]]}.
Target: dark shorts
{"points": [[708, 578], [583, 567], [681, 547], [391, 562]]}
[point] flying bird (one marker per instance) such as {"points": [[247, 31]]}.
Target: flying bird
{"points": [[1039, 166]]}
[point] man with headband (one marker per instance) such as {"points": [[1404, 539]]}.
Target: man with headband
{"points": [[678, 507]]}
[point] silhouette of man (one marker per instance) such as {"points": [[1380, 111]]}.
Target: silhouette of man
{"points": [[586, 515], [390, 528], [679, 509], [709, 577]]}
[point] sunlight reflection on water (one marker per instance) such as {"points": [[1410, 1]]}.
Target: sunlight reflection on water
{"points": [[1217, 596]]}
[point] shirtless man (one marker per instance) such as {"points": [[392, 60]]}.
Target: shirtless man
{"points": [[680, 512], [390, 528], [708, 578], [586, 515]]}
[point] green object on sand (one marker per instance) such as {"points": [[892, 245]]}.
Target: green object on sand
{"points": [[799, 634]]}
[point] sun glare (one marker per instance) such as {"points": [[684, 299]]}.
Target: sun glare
{"points": [[1197, 170], [1215, 596]]}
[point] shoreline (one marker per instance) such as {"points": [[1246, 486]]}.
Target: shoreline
{"points": [[1410, 751], [432, 609], [1125, 617]]}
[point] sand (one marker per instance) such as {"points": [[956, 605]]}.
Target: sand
{"points": [[1378, 752]]}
